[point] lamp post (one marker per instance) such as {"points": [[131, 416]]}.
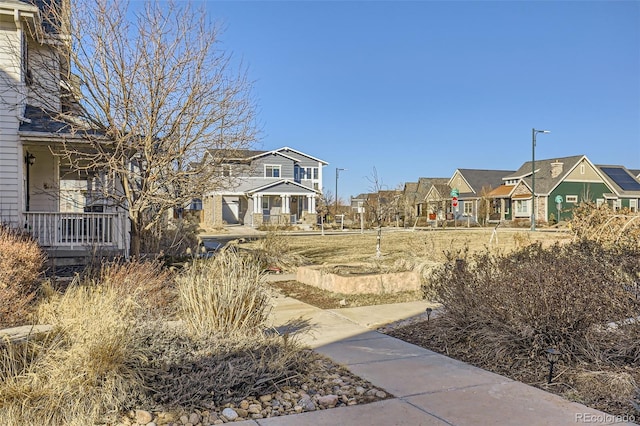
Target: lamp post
{"points": [[337, 176], [534, 132]]}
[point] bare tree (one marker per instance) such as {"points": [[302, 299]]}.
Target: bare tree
{"points": [[484, 206], [146, 91], [382, 204]]}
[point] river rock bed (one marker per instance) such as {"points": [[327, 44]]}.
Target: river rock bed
{"points": [[328, 387]]}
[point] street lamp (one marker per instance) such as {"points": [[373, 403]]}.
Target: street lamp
{"points": [[337, 175], [534, 132]]}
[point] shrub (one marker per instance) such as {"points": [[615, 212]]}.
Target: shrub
{"points": [[87, 366], [21, 263], [223, 295], [519, 304], [602, 224], [213, 370], [273, 252], [171, 239], [151, 285]]}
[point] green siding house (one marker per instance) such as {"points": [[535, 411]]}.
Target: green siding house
{"points": [[562, 183]]}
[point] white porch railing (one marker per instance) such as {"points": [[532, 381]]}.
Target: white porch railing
{"points": [[279, 219], [55, 229]]}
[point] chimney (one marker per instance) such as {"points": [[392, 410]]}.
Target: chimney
{"points": [[556, 168]]}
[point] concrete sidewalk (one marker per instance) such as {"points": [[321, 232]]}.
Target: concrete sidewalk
{"points": [[428, 388]]}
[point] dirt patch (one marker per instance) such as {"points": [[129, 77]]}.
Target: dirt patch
{"points": [[327, 300]]}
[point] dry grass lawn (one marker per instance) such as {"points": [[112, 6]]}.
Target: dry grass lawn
{"points": [[411, 246]]}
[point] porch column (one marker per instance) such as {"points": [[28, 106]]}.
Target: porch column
{"points": [[257, 204], [286, 203], [311, 203]]}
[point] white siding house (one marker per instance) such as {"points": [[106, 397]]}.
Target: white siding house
{"points": [[38, 193]]}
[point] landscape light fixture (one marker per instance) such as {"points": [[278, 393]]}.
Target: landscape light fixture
{"points": [[534, 132], [338, 170], [429, 310], [553, 355]]}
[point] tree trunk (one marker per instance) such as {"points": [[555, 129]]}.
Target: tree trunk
{"points": [[134, 243]]}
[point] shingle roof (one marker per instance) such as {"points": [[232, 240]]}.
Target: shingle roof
{"points": [[42, 121], [425, 184], [234, 154], [479, 179], [544, 182], [501, 191]]}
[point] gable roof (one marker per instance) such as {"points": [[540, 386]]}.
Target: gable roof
{"points": [[282, 182], [443, 190], [425, 184], [249, 154], [544, 182], [481, 178]]}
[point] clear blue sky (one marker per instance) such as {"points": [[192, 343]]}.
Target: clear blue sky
{"points": [[422, 88]]}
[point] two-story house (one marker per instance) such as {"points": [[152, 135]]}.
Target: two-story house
{"points": [[259, 187], [40, 191]]}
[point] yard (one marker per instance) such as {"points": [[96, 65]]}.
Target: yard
{"points": [[403, 248], [514, 297]]}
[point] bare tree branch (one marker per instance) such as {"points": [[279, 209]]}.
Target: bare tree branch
{"points": [[149, 96]]}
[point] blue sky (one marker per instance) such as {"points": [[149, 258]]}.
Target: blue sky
{"points": [[422, 88]]}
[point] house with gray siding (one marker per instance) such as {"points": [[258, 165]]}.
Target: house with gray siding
{"points": [[259, 187]]}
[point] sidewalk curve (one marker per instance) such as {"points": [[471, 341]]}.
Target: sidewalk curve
{"points": [[428, 388]]}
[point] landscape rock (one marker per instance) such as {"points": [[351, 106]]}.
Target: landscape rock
{"points": [[143, 417], [230, 414], [328, 400]]}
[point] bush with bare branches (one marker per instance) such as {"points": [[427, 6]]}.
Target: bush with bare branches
{"points": [[502, 311], [21, 263], [606, 225], [274, 252]]}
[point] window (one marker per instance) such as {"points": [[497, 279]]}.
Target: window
{"points": [[468, 208], [617, 204], [633, 205], [522, 207], [196, 204], [226, 170], [572, 199], [599, 202], [271, 171], [582, 168], [315, 173]]}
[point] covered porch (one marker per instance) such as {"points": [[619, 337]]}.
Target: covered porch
{"points": [[69, 210]]}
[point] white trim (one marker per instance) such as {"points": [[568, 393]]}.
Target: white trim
{"points": [[273, 167]]}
